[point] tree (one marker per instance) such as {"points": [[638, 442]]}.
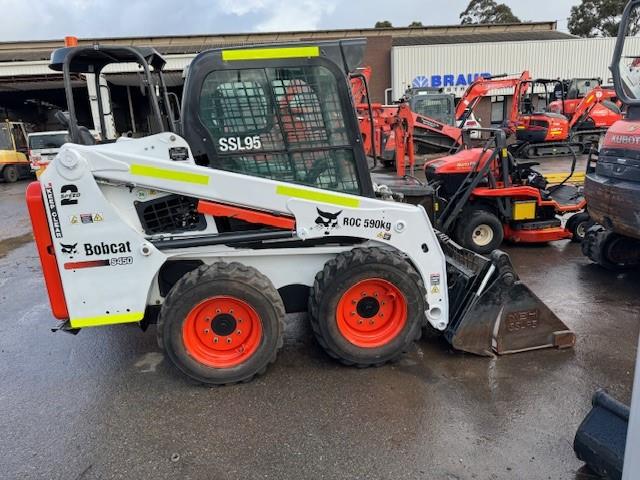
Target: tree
{"points": [[383, 24], [415, 24], [487, 11], [600, 18]]}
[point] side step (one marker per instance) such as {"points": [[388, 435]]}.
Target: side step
{"points": [[492, 311]]}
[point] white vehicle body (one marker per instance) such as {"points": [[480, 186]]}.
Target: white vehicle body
{"points": [[114, 253]]}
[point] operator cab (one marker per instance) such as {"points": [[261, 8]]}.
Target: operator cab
{"points": [[93, 60], [284, 113]]}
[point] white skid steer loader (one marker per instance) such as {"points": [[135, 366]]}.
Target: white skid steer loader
{"points": [[258, 203]]}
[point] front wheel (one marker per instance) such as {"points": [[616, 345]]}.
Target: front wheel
{"points": [[222, 323], [367, 306], [10, 174], [578, 225], [480, 231]]}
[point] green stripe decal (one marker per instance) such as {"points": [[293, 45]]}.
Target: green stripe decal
{"points": [[106, 319], [167, 174], [322, 197], [270, 53]]}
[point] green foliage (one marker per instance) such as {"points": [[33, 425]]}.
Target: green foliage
{"points": [[383, 24], [487, 11], [600, 18], [415, 24]]}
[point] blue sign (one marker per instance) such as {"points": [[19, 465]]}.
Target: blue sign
{"points": [[449, 80]]}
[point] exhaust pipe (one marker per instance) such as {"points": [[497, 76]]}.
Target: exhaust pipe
{"points": [[493, 312]]}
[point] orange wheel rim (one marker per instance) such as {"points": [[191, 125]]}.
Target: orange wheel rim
{"points": [[371, 313], [222, 332]]}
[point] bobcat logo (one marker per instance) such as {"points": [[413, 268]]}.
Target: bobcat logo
{"points": [[327, 221], [69, 248]]}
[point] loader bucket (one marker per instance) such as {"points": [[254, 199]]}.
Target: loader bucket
{"points": [[492, 311]]}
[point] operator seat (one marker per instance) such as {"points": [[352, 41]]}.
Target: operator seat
{"points": [[527, 106], [85, 135]]}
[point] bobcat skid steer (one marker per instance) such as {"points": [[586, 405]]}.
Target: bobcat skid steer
{"points": [[261, 204]]}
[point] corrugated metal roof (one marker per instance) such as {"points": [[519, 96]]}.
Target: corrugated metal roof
{"points": [[489, 37]]}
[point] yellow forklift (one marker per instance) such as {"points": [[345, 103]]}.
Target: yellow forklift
{"points": [[14, 160]]}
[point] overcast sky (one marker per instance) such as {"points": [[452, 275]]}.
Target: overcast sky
{"points": [[51, 19]]}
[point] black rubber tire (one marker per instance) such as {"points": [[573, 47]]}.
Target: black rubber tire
{"points": [[10, 174], [469, 222], [578, 224], [342, 272], [596, 245], [234, 279]]}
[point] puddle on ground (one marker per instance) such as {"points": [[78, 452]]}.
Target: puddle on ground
{"points": [[8, 245]]}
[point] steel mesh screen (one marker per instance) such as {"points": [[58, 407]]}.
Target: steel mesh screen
{"points": [[281, 123]]}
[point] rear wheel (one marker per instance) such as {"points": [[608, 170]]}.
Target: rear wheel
{"points": [[480, 231], [367, 306], [222, 323], [10, 173], [578, 225]]}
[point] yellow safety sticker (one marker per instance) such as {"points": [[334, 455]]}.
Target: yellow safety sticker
{"points": [[270, 53], [100, 320], [322, 197], [168, 174]]}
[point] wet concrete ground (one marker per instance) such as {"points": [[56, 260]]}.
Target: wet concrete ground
{"points": [[104, 404]]}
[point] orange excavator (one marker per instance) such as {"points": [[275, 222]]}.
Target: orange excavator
{"points": [[565, 126]]}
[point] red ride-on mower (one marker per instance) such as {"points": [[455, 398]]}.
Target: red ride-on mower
{"points": [[485, 197]]}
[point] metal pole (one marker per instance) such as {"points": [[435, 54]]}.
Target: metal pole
{"points": [[632, 449], [131, 115]]}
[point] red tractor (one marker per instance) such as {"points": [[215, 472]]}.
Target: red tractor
{"points": [[485, 196]]}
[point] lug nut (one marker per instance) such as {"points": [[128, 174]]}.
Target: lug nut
{"points": [[215, 339], [239, 332], [229, 340], [206, 330], [217, 310], [353, 313]]}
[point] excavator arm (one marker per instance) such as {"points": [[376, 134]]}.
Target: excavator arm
{"points": [[482, 86]]}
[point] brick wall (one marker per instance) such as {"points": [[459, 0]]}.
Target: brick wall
{"points": [[378, 57]]}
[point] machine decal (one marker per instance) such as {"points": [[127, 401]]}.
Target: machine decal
{"points": [[53, 211], [429, 123], [86, 264], [366, 223], [270, 53], [179, 154], [434, 279], [327, 220], [69, 248], [120, 261], [318, 196], [168, 174], [86, 218], [104, 248], [384, 236], [233, 144], [69, 195], [522, 320]]}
